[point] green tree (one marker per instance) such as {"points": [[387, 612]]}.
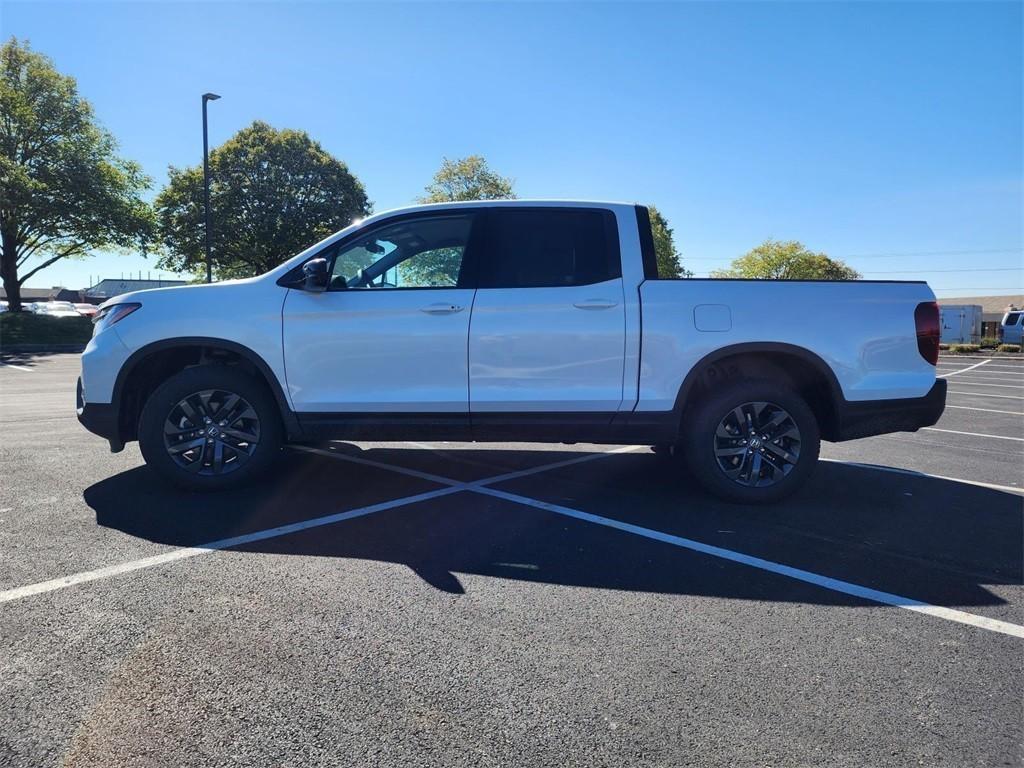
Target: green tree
{"points": [[468, 178], [63, 190], [665, 247], [272, 194], [787, 260]]}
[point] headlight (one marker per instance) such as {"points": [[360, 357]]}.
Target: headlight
{"points": [[107, 316]]}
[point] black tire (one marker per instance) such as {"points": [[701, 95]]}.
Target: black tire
{"points": [[234, 453], [712, 427]]}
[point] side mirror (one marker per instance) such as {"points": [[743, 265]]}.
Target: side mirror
{"points": [[314, 275]]}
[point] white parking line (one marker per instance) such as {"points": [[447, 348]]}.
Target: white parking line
{"points": [[986, 410], [827, 582], [1004, 363], [836, 585], [988, 374], [985, 394], [480, 486], [969, 383], [991, 370], [995, 375], [994, 369], [964, 370], [16, 367], [973, 434], [212, 546], [452, 486]]}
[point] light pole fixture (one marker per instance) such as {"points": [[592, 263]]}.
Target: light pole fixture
{"points": [[206, 184]]}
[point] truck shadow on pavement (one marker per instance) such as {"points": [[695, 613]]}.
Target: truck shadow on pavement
{"points": [[924, 538], [31, 358]]}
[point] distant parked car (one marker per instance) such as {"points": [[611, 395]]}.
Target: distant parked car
{"points": [[56, 309], [86, 310], [1011, 330], [3, 306]]}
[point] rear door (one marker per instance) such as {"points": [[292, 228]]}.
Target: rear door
{"points": [[548, 327]]}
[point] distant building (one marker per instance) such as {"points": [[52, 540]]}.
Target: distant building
{"points": [[97, 294], [993, 308], [29, 295], [109, 287]]}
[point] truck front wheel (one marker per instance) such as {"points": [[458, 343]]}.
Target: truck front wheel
{"points": [[210, 427], [753, 442]]}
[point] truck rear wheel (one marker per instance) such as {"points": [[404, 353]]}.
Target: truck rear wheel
{"points": [[210, 427], [753, 442]]}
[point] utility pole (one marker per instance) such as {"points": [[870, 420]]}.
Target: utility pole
{"points": [[206, 184]]}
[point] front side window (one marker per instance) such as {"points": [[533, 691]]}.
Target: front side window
{"points": [[415, 253], [549, 247], [1012, 318]]}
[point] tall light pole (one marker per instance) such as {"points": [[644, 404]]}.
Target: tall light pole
{"points": [[206, 184]]}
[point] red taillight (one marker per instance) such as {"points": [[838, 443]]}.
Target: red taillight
{"points": [[926, 318]]}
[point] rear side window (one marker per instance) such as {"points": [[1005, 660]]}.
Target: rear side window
{"points": [[549, 247], [1012, 318]]}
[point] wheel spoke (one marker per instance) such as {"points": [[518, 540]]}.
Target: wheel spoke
{"points": [[224, 411], [188, 445], [774, 422], [782, 453], [204, 400], [742, 420], [734, 472], [723, 430], [173, 430], [190, 414], [196, 466], [755, 469], [735, 450], [247, 413], [240, 434]]}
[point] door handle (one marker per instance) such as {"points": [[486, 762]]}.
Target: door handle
{"points": [[441, 308], [595, 304]]}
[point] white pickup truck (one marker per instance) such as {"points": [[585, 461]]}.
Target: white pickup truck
{"points": [[510, 321]]}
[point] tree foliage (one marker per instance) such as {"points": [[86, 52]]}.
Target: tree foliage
{"points": [[272, 194], [468, 178], [63, 189], [787, 260], [665, 251]]}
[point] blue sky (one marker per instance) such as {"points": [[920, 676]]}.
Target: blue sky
{"points": [[885, 134]]}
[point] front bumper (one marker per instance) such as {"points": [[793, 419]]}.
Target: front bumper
{"points": [[879, 417], [99, 418]]}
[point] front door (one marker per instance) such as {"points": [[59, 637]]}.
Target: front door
{"points": [[390, 333]]}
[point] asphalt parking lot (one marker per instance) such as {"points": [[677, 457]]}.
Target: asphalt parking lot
{"points": [[449, 604]]}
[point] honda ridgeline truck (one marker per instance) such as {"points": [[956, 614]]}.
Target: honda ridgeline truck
{"points": [[510, 321]]}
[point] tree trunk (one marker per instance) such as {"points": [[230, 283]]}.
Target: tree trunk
{"points": [[9, 270]]}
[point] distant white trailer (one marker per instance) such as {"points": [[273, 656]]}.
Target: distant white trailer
{"points": [[960, 323]]}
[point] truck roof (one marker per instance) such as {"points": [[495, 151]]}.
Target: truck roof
{"points": [[538, 203]]}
